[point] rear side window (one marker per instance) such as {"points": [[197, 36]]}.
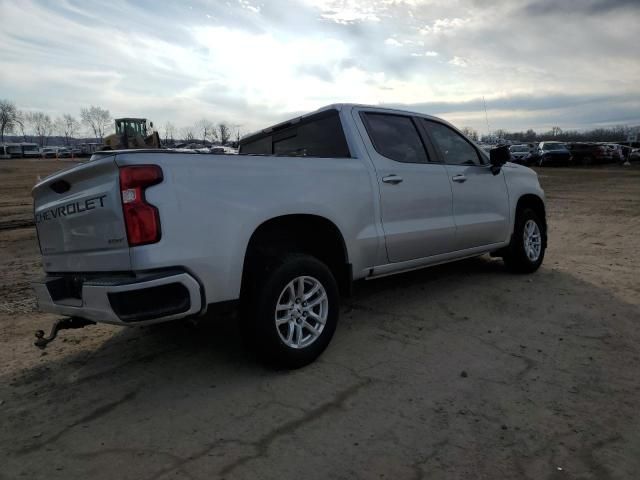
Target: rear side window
{"points": [[395, 137], [454, 148], [320, 135], [260, 146]]}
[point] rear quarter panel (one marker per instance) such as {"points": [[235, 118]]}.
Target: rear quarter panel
{"points": [[210, 205]]}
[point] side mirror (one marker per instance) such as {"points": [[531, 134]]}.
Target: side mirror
{"points": [[150, 124], [498, 157]]}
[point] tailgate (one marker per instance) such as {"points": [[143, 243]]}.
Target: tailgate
{"points": [[79, 220]]}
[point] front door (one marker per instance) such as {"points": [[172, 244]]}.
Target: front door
{"points": [[480, 198]]}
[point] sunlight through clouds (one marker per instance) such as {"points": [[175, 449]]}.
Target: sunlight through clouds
{"points": [[256, 62]]}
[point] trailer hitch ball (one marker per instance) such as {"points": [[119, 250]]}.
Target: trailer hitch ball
{"points": [[61, 324]]}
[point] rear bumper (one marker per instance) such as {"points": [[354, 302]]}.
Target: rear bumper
{"points": [[142, 299]]}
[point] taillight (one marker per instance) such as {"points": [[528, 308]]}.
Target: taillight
{"points": [[141, 218]]}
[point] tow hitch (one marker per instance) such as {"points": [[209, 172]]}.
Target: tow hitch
{"points": [[62, 324]]}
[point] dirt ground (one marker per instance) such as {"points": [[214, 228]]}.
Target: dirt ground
{"points": [[460, 371]]}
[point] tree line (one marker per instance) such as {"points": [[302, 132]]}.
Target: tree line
{"points": [[97, 122], [618, 133]]}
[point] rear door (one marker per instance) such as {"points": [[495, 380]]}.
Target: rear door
{"points": [[480, 198], [79, 220], [415, 194]]}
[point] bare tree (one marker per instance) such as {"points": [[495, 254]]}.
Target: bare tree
{"points": [[556, 131], [97, 119], [169, 131], [187, 134], [22, 122], [472, 133], [8, 117], [42, 127], [71, 127], [237, 135], [223, 132], [500, 134], [206, 130], [66, 126]]}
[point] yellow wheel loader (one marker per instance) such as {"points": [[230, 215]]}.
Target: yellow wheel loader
{"points": [[131, 133]]}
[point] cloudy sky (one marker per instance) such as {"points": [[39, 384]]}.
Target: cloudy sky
{"points": [[538, 63]]}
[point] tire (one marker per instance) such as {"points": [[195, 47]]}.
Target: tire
{"points": [[269, 288], [519, 258]]}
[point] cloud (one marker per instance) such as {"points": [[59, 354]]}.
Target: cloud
{"points": [[429, 53], [392, 42], [446, 26], [252, 62], [459, 62], [538, 112], [587, 7]]}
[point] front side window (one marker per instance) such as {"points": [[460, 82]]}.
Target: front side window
{"points": [[454, 148], [395, 137]]}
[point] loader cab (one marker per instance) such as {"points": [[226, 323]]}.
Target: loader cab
{"points": [[131, 127]]}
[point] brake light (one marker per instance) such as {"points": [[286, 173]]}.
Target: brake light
{"points": [[141, 218]]}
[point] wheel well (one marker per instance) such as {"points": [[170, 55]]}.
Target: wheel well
{"points": [[310, 234], [535, 203]]}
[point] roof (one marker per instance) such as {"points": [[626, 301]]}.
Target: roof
{"points": [[339, 107], [131, 119]]}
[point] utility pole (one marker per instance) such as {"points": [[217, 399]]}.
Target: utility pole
{"points": [[486, 116]]}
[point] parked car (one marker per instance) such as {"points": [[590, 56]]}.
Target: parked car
{"points": [[588, 153], [520, 154], [552, 153], [48, 152], [615, 151], [90, 148], [283, 228], [634, 156], [63, 152]]}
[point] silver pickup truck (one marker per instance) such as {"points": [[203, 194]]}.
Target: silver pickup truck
{"points": [[308, 206]]}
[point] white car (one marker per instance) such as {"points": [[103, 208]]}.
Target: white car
{"points": [[282, 228]]}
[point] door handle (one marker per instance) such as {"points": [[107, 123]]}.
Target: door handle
{"points": [[392, 179], [459, 178]]}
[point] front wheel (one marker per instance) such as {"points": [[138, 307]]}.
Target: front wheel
{"points": [[528, 243], [293, 311]]}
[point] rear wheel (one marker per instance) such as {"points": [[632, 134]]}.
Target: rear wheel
{"points": [[292, 311], [526, 251]]}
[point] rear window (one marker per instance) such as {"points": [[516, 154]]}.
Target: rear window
{"points": [[319, 135]]}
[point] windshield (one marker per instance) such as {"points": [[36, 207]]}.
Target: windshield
{"points": [[554, 146], [131, 127], [519, 148]]}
